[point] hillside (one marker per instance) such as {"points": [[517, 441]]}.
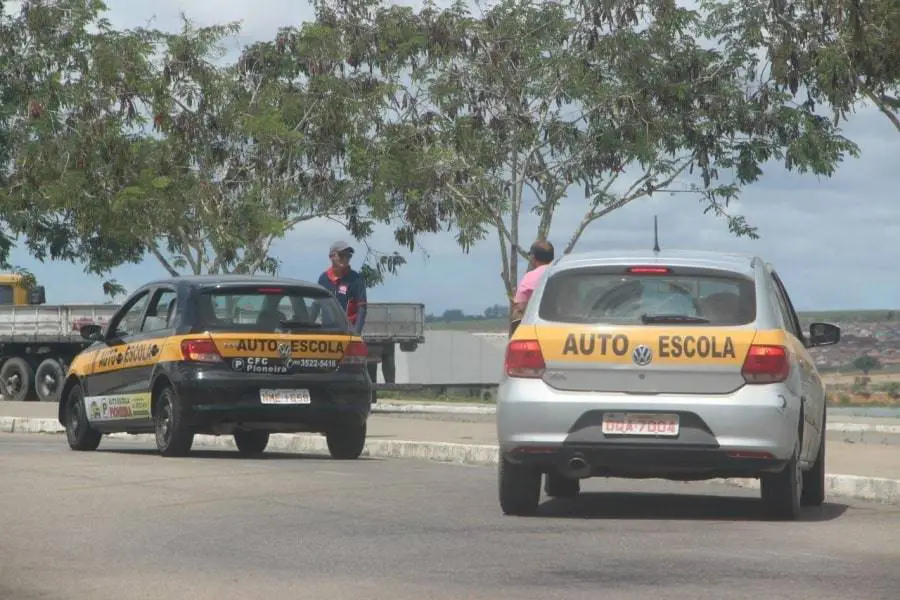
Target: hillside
{"points": [[872, 333], [840, 317]]}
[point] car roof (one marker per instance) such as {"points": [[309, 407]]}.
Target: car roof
{"points": [[216, 280], [737, 262]]}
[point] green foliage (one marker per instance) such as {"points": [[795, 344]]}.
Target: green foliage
{"points": [[867, 363], [531, 104], [69, 85], [122, 143], [834, 52]]}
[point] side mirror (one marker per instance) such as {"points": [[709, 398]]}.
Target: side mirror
{"points": [[824, 334], [37, 295], [92, 332]]}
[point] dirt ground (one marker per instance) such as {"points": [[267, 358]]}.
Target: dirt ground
{"points": [[875, 378]]}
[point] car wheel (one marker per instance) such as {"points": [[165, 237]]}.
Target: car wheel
{"points": [[173, 434], [520, 488], [346, 441], [79, 433], [251, 442], [557, 486], [781, 492], [814, 479]]}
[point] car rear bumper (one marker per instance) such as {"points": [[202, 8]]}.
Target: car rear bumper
{"points": [[751, 430], [220, 401]]}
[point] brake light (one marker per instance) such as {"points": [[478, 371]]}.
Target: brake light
{"points": [[524, 359], [356, 353], [270, 290], [766, 364], [200, 351], [649, 270]]}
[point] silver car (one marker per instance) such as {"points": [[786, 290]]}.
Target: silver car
{"points": [[675, 365]]}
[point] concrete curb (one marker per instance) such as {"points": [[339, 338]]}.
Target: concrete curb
{"points": [[876, 489], [470, 409]]}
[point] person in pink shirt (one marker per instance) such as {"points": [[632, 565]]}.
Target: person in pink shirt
{"points": [[539, 256]]}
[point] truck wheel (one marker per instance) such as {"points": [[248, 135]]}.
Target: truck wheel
{"points": [[79, 433], [251, 442], [389, 366], [173, 434], [16, 376], [48, 379], [347, 440]]}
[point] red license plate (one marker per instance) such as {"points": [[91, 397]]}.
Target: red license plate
{"points": [[640, 424]]}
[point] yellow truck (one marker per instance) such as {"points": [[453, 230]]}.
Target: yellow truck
{"points": [[39, 340]]}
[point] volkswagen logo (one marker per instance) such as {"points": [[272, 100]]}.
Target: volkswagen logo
{"points": [[642, 355], [284, 350]]}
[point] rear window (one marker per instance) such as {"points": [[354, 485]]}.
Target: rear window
{"points": [[588, 296], [269, 309]]}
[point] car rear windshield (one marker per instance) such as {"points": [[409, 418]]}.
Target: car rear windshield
{"points": [[269, 309], [602, 297]]}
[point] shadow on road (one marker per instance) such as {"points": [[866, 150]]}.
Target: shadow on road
{"points": [[617, 505], [228, 453]]}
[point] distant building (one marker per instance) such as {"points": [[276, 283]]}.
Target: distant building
{"points": [[452, 357]]}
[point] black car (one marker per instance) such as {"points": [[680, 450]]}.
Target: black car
{"points": [[221, 355]]}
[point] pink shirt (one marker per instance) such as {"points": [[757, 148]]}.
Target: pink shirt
{"points": [[528, 283]]}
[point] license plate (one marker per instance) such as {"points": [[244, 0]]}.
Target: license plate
{"points": [[285, 396], [640, 424]]}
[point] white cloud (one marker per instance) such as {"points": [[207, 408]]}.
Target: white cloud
{"points": [[835, 241]]}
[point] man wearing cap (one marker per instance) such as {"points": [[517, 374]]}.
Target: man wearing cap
{"points": [[540, 255], [346, 284]]}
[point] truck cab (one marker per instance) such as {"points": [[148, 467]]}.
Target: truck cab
{"points": [[15, 291]]}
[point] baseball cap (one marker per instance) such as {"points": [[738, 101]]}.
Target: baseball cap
{"points": [[340, 247]]}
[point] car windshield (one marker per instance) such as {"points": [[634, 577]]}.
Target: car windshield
{"points": [[267, 309], [589, 296]]}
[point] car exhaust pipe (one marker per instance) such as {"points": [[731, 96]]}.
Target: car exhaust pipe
{"points": [[579, 468]]}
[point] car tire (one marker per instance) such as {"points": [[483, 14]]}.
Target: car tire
{"points": [[251, 443], [814, 479], [520, 488], [174, 436], [781, 492], [558, 486], [79, 433], [347, 440], [18, 372]]}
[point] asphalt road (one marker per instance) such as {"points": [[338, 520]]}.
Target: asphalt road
{"points": [[123, 523]]}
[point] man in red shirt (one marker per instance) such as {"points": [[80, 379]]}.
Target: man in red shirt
{"points": [[347, 285]]}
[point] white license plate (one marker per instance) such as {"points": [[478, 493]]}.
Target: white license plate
{"points": [[285, 396], [640, 424]]}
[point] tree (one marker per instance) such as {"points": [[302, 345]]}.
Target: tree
{"points": [[593, 104], [867, 363], [67, 115], [835, 52]]}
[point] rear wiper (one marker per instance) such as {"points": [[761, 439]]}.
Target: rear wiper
{"points": [[297, 324], [672, 319]]}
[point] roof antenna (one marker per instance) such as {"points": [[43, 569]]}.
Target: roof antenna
{"points": [[655, 236]]}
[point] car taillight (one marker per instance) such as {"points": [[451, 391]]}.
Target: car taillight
{"points": [[649, 270], [200, 351], [766, 364], [356, 353], [524, 359]]}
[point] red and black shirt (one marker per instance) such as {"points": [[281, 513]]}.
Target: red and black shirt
{"points": [[350, 291]]}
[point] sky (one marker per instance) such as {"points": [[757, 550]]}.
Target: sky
{"points": [[835, 241]]}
